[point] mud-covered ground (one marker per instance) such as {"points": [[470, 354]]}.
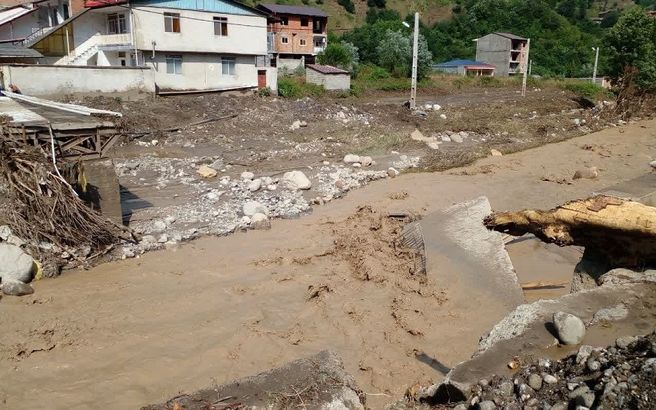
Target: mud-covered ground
{"points": [[139, 331], [166, 200]]}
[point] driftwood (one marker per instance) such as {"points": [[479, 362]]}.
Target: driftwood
{"points": [[623, 231]]}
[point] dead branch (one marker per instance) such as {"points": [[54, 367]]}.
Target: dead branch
{"points": [[42, 207]]}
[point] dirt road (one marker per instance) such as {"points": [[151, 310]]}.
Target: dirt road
{"points": [[130, 333]]}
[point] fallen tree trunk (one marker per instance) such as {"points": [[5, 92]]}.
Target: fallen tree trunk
{"points": [[623, 231]]}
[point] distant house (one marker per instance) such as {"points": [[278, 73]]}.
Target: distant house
{"points": [[25, 20], [331, 78], [296, 34], [507, 52], [191, 45], [466, 67]]}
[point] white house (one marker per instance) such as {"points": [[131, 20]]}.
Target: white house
{"points": [[189, 44]]}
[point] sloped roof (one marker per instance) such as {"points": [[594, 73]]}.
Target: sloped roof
{"points": [[298, 10], [509, 35], [11, 14], [8, 50], [458, 63], [326, 69]]}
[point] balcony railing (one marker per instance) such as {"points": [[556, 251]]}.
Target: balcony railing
{"points": [[113, 39]]}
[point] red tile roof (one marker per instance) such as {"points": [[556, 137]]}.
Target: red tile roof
{"points": [[326, 69]]}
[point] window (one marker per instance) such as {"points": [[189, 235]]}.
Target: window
{"points": [[66, 13], [172, 22], [261, 61], [116, 24], [174, 64], [55, 17], [318, 43], [284, 40], [228, 66], [304, 21], [303, 42], [220, 26], [284, 21]]}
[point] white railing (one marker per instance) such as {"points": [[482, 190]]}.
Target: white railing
{"points": [[87, 49], [113, 39]]}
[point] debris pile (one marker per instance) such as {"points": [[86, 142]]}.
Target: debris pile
{"points": [[43, 214], [615, 377]]}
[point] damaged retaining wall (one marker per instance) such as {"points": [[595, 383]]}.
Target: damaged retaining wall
{"points": [[41, 80]]}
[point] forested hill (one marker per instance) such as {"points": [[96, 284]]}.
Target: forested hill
{"points": [[562, 32]]}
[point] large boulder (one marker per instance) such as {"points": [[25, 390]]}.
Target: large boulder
{"points": [[297, 180], [251, 208], [570, 328], [15, 265], [16, 288]]}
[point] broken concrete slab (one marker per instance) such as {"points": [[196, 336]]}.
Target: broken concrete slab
{"points": [[641, 189], [458, 235], [528, 331], [316, 382]]}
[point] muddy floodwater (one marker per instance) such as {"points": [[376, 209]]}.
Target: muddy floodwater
{"points": [[134, 332]]}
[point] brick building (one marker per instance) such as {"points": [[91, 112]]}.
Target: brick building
{"points": [[296, 34]]}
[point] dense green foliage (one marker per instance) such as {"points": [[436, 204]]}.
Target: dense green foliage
{"points": [[296, 87], [632, 47], [395, 54], [558, 47], [348, 5], [562, 34], [340, 54]]}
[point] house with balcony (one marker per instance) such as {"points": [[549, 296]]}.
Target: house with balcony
{"points": [[22, 21], [296, 34], [507, 52], [191, 45]]}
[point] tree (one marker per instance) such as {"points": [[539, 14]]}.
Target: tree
{"points": [[632, 47], [376, 3], [374, 15], [395, 54], [348, 5], [342, 55]]}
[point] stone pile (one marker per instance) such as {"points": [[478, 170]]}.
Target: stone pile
{"points": [[616, 377]]}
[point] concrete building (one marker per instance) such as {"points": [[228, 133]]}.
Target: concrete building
{"points": [[296, 34], [191, 45], [22, 21], [507, 52], [466, 67], [331, 78]]}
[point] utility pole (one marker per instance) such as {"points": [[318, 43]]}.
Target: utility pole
{"points": [[415, 52], [530, 66], [594, 71], [528, 49]]}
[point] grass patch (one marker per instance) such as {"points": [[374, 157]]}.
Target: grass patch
{"points": [[296, 87], [586, 89]]}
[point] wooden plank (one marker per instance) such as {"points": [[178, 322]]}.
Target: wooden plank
{"points": [[109, 143]]}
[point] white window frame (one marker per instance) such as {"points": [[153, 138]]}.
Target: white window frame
{"points": [[231, 64], [174, 64], [302, 42], [284, 40]]}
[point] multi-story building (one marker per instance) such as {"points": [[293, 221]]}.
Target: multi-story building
{"points": [[296, 34], [23, 21], [507, 52], [189, 44]]}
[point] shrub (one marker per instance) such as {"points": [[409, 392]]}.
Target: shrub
{"points": [[585, 89], [288, 88], [264, 92]]}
